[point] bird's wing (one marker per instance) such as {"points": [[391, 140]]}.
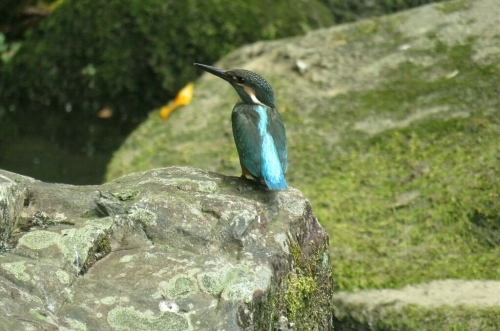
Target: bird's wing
{"points": [[276, 129], [247, 137]]}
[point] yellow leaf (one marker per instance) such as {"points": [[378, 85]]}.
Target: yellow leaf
{"points": [[166, 110], [183, 98]]}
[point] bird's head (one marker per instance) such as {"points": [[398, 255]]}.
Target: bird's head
{"points": [[251, 87]]}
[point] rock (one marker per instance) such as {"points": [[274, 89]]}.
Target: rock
{"points": [[393, 128], [166, 249], [437, 305]]}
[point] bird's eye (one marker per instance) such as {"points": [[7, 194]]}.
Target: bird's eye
{"points": [[236, 79]]}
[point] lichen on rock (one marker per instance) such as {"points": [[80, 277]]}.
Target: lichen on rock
{"points": [[179, 249]]}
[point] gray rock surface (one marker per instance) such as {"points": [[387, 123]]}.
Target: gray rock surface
{"points": [[166, 249]]}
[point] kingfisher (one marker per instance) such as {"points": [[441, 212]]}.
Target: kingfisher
{"points": [[258, 129]]}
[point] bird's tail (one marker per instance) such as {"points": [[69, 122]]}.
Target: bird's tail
{"points": [[276, 184], [272, 169]]}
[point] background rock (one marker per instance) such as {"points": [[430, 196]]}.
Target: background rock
{"points": [[393, 126], [166, 249]]}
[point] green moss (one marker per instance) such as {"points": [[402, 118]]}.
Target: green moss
{"points": [[419, 318], [104, 247], [299, 295], [460, 318], [414, 196], [367, 27], [296, 298], [413, 86], [450, 229], [96, 252], [453, 6]]}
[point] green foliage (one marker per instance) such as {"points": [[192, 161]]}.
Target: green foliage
{"points": [[7, 51], [134, 55], [351, 10]]}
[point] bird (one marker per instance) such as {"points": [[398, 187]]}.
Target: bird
{"points": [[258, 128]]}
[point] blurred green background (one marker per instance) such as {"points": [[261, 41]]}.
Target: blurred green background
{"points": [[63, 62]]}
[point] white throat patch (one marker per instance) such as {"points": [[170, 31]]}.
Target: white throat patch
{"points": [[251, 93]]}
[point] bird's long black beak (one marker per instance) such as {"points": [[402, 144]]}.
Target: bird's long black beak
{"points": [[214, 71]]}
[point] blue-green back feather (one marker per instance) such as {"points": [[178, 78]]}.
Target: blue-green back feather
{"points": [[260, 139]]}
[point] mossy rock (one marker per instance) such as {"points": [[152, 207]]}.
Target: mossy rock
{"points": [[174, 249], [394, 134], [454, 305]]}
